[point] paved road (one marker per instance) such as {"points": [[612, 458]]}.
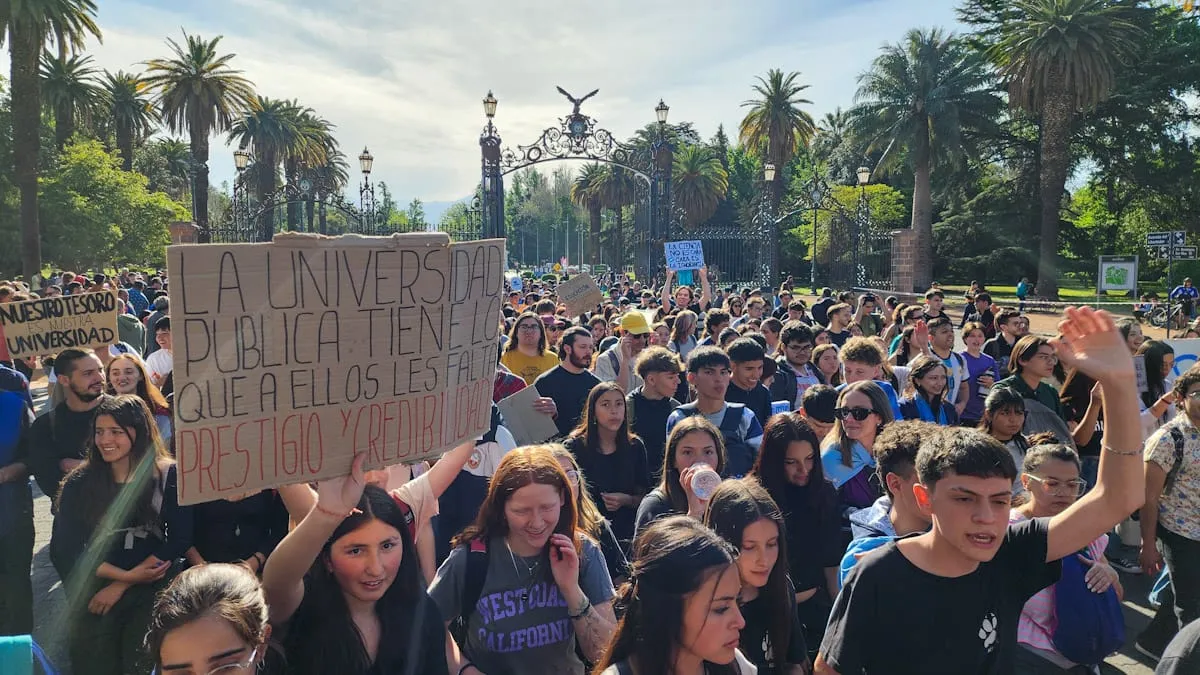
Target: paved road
{"points": [[49, 600]]}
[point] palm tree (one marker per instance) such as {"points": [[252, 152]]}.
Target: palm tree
{"points": [[70, 89], [313, 145], [617, 189], [131, 113], [271, 129], [586, 195], [699, 182], [1059, 57], [833, 129], [196, 91], [775, 129], [925, 95], [27, 24]]}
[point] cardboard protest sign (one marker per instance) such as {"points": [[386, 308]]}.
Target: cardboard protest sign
{"points": [[292, 356], [50, 325], [684, 255], [580, 294], [527, 425]]}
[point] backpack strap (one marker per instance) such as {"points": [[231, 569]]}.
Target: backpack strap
{"points": [[731, 422], [477, 562], [1173, 474]]}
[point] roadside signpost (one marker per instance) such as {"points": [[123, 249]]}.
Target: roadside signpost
{"points": [[1171, 246]]}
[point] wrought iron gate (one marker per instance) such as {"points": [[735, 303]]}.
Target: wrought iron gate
{"points": [[860, 256]]}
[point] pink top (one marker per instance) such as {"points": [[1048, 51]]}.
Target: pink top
{"points": [[1038, 622]]}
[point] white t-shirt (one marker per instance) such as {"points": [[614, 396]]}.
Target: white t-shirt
{"points": [[958, 373], [159, 363]]}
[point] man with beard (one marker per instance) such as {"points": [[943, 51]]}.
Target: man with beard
{"points": [[57, 440], [569, 382]]}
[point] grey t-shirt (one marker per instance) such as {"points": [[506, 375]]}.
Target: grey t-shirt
{"points": [[511, 632]]}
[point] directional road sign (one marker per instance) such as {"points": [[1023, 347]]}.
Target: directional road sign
{"points": [[1158, 238], [1185, 252]]}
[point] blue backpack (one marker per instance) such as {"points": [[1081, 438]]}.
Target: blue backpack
{"points": [[1090, 625]]}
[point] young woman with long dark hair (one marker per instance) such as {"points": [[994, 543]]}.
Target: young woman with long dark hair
{"points": [[1158, 399], [613, 459], [744, 515], [693, 442], [118, 536], [211, 619], [789, 468], [681, 606], [345, 589], [925, 397], [545, 586]]}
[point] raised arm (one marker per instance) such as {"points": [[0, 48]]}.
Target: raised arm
{"points": [[665, 297], [283, 578], [445, 470], [705, 290], [1090, 342]]}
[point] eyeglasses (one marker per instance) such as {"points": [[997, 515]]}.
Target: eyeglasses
{"points": [[229, 668], [799, 348], [859, 414], [573, 476], [530, 327], [1047, 357], [1071, 488], [913, 317]]}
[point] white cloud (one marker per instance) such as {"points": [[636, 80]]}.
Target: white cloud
{"points": [[406, 78]]}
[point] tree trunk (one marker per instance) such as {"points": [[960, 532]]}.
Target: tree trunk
{"points": [[125, 145], [594, 213], [64, 124], [199, 142], [24, 48], [619, 238], [1056, 118], [922, 217], [293, 208]]}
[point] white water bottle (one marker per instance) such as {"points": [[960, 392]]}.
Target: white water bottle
{"points": [[704, 482]]}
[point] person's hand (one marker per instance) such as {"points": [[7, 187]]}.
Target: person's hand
{"points": [[616, 500], [546, 406], [670, 274], [564, 563], [342, 493], [1091, 343], [1150, 559], [704, 271], [1100, 576], [626, 343], [696, 505], [148, 571], [106, 597], [920, 336], [1097, 394], [986, 380]]}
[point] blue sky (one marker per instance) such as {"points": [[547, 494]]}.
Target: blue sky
{"points": [[406, 78]]}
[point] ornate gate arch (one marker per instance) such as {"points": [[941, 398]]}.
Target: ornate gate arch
{"points": [[578, 137], [311, 203]]}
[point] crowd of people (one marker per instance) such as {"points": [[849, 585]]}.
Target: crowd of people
{"points": [[739, 483]]}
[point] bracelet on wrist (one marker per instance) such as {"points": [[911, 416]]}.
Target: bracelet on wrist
{"points": [[466, 665], [583, 610], [1123, 453], [332, 514]]}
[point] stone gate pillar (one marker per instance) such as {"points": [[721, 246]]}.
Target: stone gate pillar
{"points": [[904, 260], [184, 232]]}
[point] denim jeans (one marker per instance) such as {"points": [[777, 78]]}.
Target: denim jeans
{"points": [[1181, 601]]}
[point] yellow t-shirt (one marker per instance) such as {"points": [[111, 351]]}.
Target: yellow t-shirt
{"points": [[528, 367]]}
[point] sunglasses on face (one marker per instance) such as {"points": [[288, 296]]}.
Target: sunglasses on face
{"points": [[1070, 488], [859, 414]]}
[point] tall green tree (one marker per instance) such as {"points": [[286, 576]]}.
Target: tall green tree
{"points": [[776, 126], [269, 128], [131, 112], [586, 195], [27, 24], [197, 91], [921, 101], [71, 91], [699, 182], [1058, 58]]}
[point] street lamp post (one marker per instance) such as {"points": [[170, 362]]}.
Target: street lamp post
{"points": [[767, 253], [860, 228], [240, 205], [662, 158], [816, 192], [493, 186], [366, 191]]}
